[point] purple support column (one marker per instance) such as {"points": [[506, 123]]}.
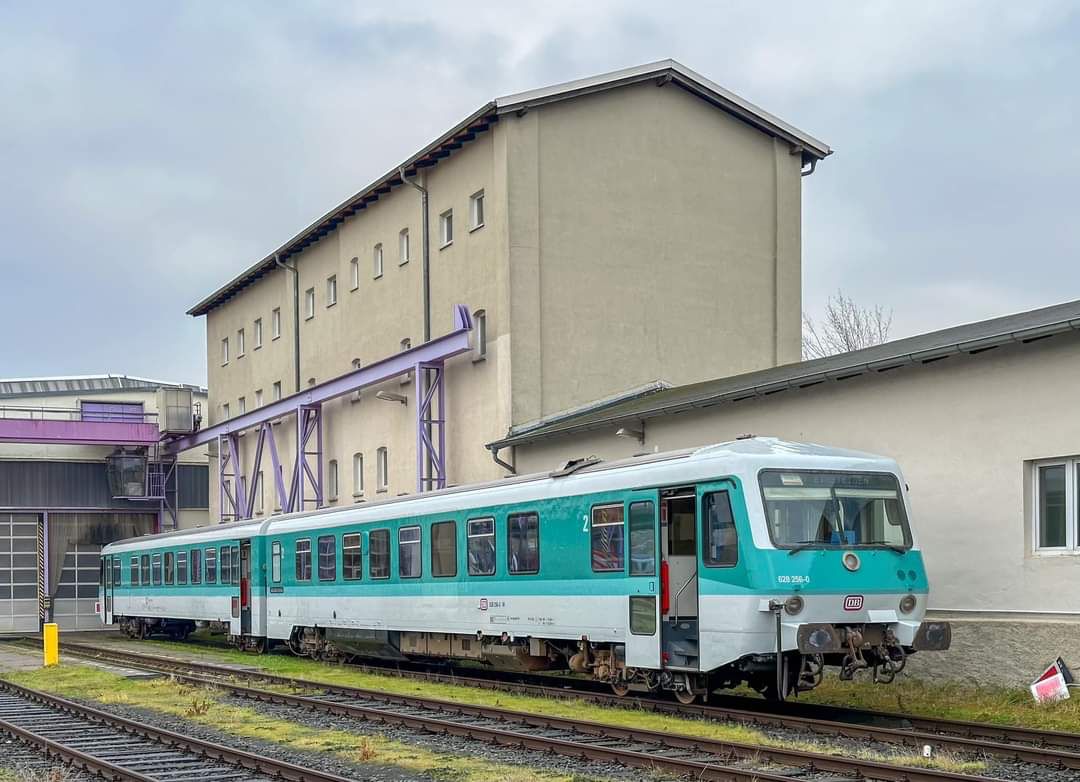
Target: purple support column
{"points": [[275, 464], [239, 490]]}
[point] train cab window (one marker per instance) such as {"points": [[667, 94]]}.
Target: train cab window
{"points": [[133, 573], [642, 539], [225, 563], [719, 539], [352, 558], [408, 550], [181, 567], [481, 535], [682, 519], [523, 543], [155, 568], [211, 566], [236, 565], [444, 549], [607, 531], [196, 566], [379, 553], [327, 558], [144, 570], [170, 569], [303, 560], [275, 562]]}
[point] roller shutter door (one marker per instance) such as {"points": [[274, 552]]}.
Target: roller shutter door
{"points": [[76, 596], [20, 565]]}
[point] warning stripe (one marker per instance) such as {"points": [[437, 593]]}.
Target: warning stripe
{"points": [[41, 569]]}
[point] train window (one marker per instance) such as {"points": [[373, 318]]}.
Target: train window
{"points": [[682, 519], [608, 544], [481, 534], [523, 543], [408, 551], [211, 566], [181, 567], [379, 553], [352, 558], [236, 565], [275, 562], [225, 563], [155, 566], [134, 572], [444, 549], [643, 614], [116, 569], [196, 566], [720, 539], [144, 570], [170, 569], [303, 560], [104, 574], [327, 558], [642, 539]]}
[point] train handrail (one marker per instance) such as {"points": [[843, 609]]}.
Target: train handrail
{"points": [[684, 586]]}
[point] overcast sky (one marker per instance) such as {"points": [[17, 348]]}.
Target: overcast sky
{"points": [[150, 151]]}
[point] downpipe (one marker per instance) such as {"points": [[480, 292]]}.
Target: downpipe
{"points": [[296, 314]]}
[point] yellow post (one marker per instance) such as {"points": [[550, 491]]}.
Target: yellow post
{"points": [[51, 635]]}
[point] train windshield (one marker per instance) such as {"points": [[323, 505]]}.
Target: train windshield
{"points": [[834, 509]]}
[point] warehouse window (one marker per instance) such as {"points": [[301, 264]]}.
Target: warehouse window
{"points": [[275, 390], [331, 290], [155, 569], [408, 552], [224, 351], [720, 539], [606, 533], [241, 406], [479, 335], [444, 549], [256, 333], [1056, 506], [332, 480], [144, 567], [403, 247], [379, 553], [240, 344], [358, 475], [382, 467], [376, 258], [134, 574], [523, 543], [258, 397], [354, 273], [476, 210], [303, 560], [352, 558], [226, 564], [309, 304], [196, 566], [225, 411], [446, 227], [181, 567], [327, 558], [481, 534], [642, 539], [211, 566], [275, 323], [275, 562]]}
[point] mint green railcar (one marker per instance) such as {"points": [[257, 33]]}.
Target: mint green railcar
{"points": [[756, 561]]}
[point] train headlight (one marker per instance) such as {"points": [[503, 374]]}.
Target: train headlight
{"points": [[794, 605], [851, 561], [907, 604]]}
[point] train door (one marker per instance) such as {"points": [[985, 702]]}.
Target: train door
{"points": [[244, 567], [679, 578], [112, 576], [643, 604]]}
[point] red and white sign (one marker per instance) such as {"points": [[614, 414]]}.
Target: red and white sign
{"points": [[853, 602], [1053, 684]]}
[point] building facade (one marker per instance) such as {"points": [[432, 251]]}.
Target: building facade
{"points": [[982, 420], [58, 502], [588, 227]]}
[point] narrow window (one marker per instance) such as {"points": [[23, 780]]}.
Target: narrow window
{"points": [[379, 553], [479, 335], [352, 559], [134, 571], [376, 257], [236, 565], [225, 410], [240, 343], [144, 564], [257, 333], [258, 397], [275, 391], [181, 567], [196, 566], [523, 543], [358, 474], [446, 227], [155, 566], [331, 290], [224, 351], [211, 566], [643, 614], [117, 570], [606, 532], [332, 480], [382, 479], [720, 539], [409, 565], [444, 549], [260, 494], [275, 323], [327, 558], [226, 564], [1053, 507], [642, 539], [303, 560], [476, 210], [354, 273], [309, 303], [481, 534], [241, 405], [275, 562], [403, 247]]}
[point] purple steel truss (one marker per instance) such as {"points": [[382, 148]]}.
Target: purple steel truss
{"points": [[305, 489]]}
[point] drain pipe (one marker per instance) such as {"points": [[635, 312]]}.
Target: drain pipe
{"points": [[425, 259], [505, 465], [296, 314]]}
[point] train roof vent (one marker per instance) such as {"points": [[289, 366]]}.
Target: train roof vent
{"points": [[573, 465]]}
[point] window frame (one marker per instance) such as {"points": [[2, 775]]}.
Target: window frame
{"points": [[275, 391], [156, 573], [630, 536], [181, 558], [297, 554], [275, 323], [309, 304], [257, 334], [419, 543], [377, 265], [382, 533], [195, 560], [241, 343], [404, 247], [275, 561], [331, 290], [479, 335], [358, 474], [509, 562], [332, 539], [210, 561], [604, 506], [452, 523], [347, 549], [446, 228], [354, 273], [470, 535], [333, 480], [134, 572], [1072, 507], [224, 351], [382, 469], [704, 530], [476, 210], [225, 565], [144, 570]]}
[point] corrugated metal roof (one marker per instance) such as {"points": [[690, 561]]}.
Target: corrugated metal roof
{"points": [[484, 117], [84, 384], [973, 338]]}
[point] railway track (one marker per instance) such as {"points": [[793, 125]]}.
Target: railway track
{"points": [[124, 750], [684, 755]]}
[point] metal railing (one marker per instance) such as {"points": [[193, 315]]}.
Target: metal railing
{"points": [[42, 413], [693, 575]]}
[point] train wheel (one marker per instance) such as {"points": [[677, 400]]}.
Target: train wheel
{"points": [[622, 689], [144, 630], [685, 697]]}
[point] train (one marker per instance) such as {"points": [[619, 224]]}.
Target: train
{"points": [[757, 561]]}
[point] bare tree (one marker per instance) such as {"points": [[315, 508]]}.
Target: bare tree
{"points": [[845, 326]]}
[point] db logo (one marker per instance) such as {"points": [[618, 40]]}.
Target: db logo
{"points": [[853, 602], [484, 604]]}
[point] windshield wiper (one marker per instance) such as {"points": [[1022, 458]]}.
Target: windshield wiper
{"points": [[804, 545]]}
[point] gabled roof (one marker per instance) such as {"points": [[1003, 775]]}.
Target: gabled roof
{"points": [[84, 384], [664, 72], [972, 338]]}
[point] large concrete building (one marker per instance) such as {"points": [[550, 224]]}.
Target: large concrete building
{"points": [[589, 227], [67, 487]]}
